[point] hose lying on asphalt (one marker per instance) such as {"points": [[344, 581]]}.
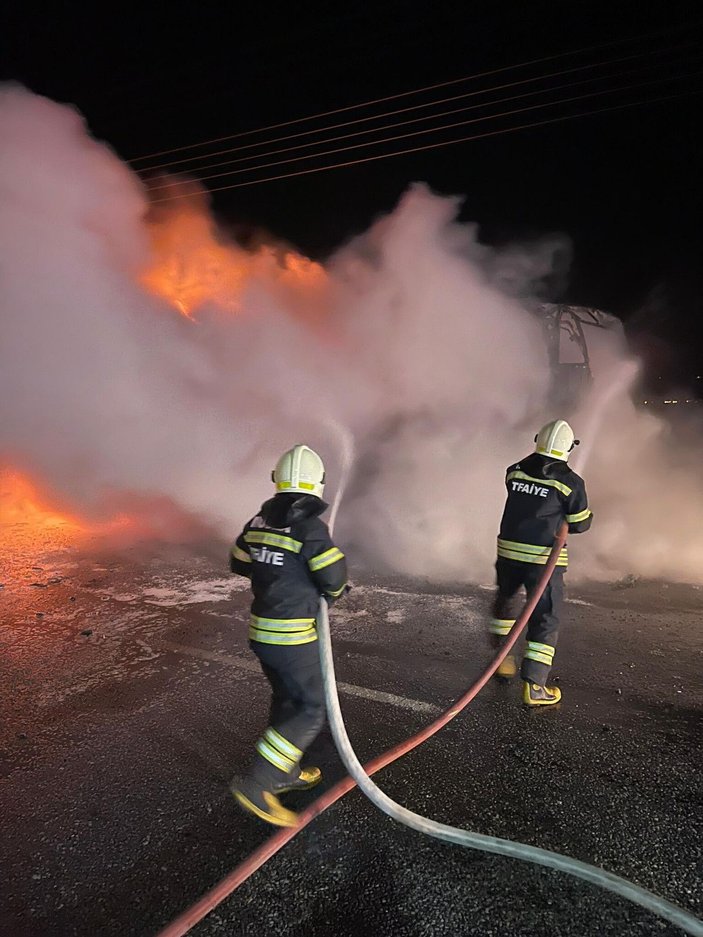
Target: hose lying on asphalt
{"points": [[504, 847], [191, 916], [361, 776]]}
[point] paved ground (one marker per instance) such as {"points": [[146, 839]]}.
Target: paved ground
{"points": [[126, 707]]}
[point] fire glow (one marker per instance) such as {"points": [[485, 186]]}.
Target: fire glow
{"points": [[153, 367], [192, 266], [31, 517]]}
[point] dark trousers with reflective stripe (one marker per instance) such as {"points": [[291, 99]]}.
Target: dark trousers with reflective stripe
{"points": [[297, 710], [543, 626]]}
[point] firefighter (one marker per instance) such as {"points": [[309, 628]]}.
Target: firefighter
{"points": [[287, 552], [543, 492]]}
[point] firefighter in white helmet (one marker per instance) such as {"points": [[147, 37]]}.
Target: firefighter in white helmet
{"points": [[287, 552], [543, 492]]}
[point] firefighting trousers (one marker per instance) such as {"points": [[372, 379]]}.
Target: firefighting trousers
{"points": [[297, 710], [543, 626]]}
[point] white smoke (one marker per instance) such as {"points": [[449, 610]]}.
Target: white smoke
{"points": [[440, 374]]}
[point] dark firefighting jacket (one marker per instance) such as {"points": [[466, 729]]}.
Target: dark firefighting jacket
{"points": [[287, 552], [542, 494]]}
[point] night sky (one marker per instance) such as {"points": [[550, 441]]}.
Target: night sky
{"points": [[625, 185]]}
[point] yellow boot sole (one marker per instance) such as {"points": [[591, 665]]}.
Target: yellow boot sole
{"points": [[308, 777], [275, 813], [529, 700]]}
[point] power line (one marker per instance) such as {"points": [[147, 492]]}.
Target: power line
{"points": [[403, 94], [413, 107], [405, 123], [415, 133], [433, 146]]}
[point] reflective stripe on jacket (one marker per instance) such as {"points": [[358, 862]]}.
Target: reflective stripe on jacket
{"points": [[542, 493], [287, 552]]}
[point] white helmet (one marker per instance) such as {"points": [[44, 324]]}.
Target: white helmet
{"points": [[300, 470], [556, 439]]}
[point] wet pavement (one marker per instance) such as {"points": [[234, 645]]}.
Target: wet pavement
{"points": [[128, 699]]}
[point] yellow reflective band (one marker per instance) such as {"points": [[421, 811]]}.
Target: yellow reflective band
{"points": [[540, 658], [282, 745], [325, 559], [542, 648], [288, 631], [501, 625], [507, 554], [287, 640], [275, 757], [535, 548], [536, 560], [281, 624], [550, 482], [240, 554], [575, 518], [532, 549], [337, 592], [273, 540], [306, 485]]}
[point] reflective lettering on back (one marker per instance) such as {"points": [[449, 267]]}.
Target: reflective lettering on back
{"points": [[529, 488], [264, 555]]}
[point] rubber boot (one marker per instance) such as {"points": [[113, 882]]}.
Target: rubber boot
{"points": [[535, 695], [307, 778], [507, 668], [262, 804]]}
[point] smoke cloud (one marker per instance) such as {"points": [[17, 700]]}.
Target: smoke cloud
{"points": [[414, 337]]}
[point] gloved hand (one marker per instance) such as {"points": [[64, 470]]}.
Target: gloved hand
{"points": [[331, 600]]}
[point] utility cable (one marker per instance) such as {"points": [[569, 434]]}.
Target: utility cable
{"points": [[428, 104], [432, 130], [443, 84], [431, 146]]}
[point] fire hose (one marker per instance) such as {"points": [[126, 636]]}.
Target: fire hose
{"points": [[361, 776], [460, 837]]}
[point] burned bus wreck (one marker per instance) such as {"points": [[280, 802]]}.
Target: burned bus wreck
{"points": [[578, 340]]}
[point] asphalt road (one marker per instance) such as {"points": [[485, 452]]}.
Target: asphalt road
{"points": [[129, 698]]}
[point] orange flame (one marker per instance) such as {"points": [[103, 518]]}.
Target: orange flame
{"points": [[28, 518], [192, 266]]}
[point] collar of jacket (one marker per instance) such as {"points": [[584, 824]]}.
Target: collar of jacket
{"points": [[285, 509], [541, 466]]}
